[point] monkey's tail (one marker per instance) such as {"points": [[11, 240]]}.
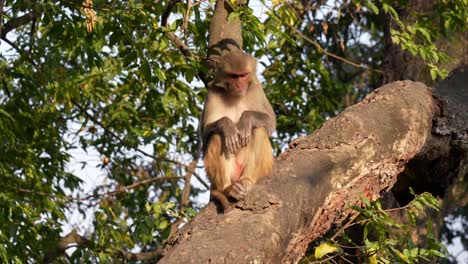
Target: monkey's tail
{"points": [[222, 199]]}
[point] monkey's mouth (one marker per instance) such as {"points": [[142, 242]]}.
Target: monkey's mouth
{"points": [[239, 89]]}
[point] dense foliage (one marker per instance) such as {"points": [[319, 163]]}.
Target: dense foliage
{"points": [[104, 78]]}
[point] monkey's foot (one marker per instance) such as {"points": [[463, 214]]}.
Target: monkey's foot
{"points": [[238, 190]]}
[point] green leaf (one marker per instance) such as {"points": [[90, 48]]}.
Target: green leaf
{"points": [[232, 16], [6, 114], [433, 73], [425, 33], [163, 225], [369, 4], [324, 249], [146, 70]]}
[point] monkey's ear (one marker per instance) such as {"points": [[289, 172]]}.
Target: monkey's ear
{"points": [[216, 59], [210, 66]]}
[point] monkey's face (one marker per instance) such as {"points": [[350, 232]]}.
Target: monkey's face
{"points": [[236, 70], [238, 82]]}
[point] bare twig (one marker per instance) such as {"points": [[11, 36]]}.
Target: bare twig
{"points": [[32, 35], [203, 182], [345, 259], [348, 224], [320, 49], [186, 17]]}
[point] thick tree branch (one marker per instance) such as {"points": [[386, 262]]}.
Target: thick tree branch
{"points": [[224, 35], [316, 181]]}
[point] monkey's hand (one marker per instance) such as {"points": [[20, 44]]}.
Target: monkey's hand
{"points": [[239, 190], [245, 128], [231, 135]]}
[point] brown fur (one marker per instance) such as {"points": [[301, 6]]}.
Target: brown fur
{"points": [[219, 166]]}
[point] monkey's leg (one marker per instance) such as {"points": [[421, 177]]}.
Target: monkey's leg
{"points": [[259, 162], [218, 169]]}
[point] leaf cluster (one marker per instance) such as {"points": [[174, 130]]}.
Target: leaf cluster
{"points": [[386, 239]]}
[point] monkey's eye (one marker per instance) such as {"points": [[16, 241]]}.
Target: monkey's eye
{"points": [[237, 76]]}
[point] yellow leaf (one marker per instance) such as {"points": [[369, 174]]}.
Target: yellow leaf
{"points": [[402, 257], [277, 2], [373, 259], [324, 249]]}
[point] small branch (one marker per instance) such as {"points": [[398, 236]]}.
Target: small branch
{"points": [[68, 198], [18, 22], [348, 224], [120, 190], [203, 182], [32, 35], [184, 200], [320, 49], [329, 54], [80, 241], [20, 51], [1, 16], [143, 255], [132, 186], [177, 41], [108, 131], [62, 245], [186, 17]]}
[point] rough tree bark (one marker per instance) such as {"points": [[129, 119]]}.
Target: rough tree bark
{"points": [[362, 151]]}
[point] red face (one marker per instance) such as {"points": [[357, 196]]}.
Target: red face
{"points": [[238, 82]]}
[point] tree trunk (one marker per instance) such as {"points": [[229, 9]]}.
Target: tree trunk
{"points": [[401, 65], [360, 152]]}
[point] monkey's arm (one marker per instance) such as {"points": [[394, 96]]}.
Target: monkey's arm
{"points": [[228, 131], [254, 119]]}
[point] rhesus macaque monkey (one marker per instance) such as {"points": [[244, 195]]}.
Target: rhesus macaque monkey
{"points": [[236, 123]]}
